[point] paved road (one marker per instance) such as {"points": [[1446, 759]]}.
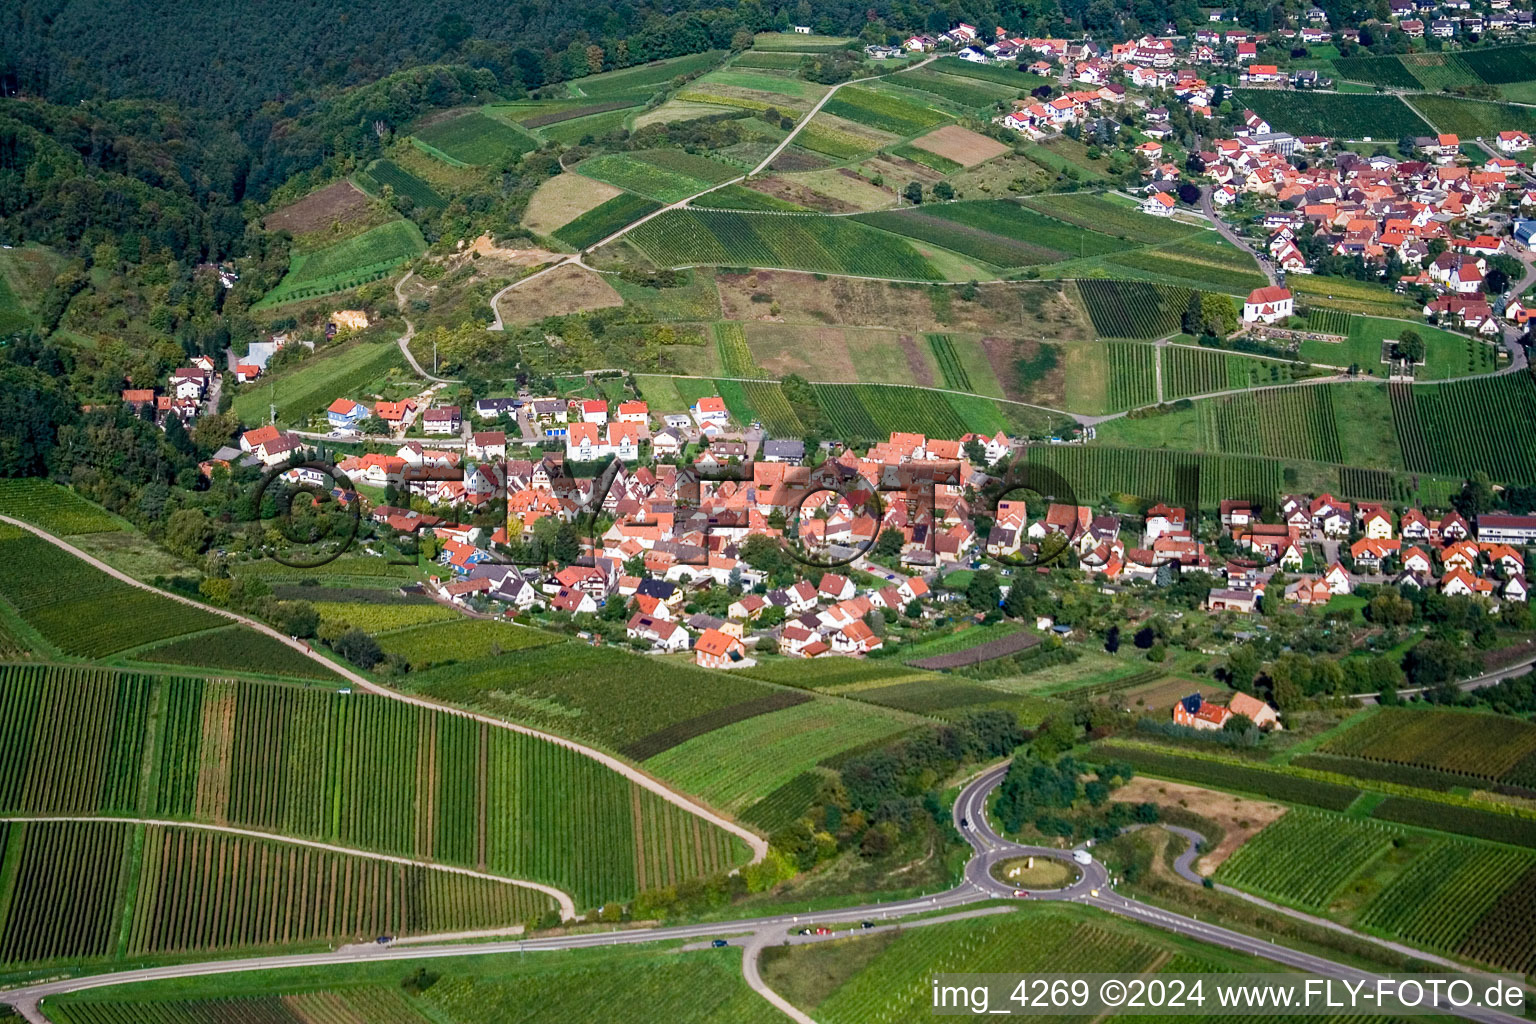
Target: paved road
{"points": [[404, 341], [1466, 685], [989, 847], [1208, 207], [757, 843]]}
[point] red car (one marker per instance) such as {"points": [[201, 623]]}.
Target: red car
{"points": [[823, 931], [1020, 894]]}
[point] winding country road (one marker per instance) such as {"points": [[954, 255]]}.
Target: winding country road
{"points": [[755, 842], [1091, 889]]}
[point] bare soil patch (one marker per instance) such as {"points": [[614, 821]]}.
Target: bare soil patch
{"points": [[341, 202], [899, 169], [1240, 817], [562, 291], [797, 160], [845, 185], [798, 192], [816, 353], [562, 199], [1004, 354], [961, 145], [922, 373]]}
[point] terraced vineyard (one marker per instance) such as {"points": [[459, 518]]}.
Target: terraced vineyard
{"points": [[1104, 215], [360, 771], [1000, 232], [728, 238], [1294, 422], [772, 408], [1343, 115], [895, 984], [1479, 118], [1133, 309], [1444, 428], [736, 765], [1328, 321], [1132, 375], [622, 985]]}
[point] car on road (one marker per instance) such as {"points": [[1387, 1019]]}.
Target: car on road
{"points": [[866, 924], [719, 943], [823, 931], [1020, 894], [384, 940], [965, 822], [803, 931]]}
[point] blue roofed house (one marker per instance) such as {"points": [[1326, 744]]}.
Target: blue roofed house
{"points": [[345, 414], [1525, 231]]}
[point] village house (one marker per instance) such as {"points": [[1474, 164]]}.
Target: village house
{"points": [[443, 420]]}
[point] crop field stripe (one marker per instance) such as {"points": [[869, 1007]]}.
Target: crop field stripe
{"points": [[603, 220], [1132, 375], [279, 758], [1133, 309], [1445, 428], [1307, 856], [955, 375], [834, 245]]}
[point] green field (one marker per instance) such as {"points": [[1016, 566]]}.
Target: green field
{"points": [[829, 245], [870, 412], [1446, 354], [53, 507], [1338, 115], [386, 172], [236, 649], [1441, 428], [1000, 232], [80, 610], [476, 139], [568, 688], [1471, 118], [666, 175], [622, 985], [360, 771], [443, 643], [1107, 215], [734, 766], [603, 220], [1388, 71], [1190, 479], [1132, 375], [1190, 371], [304, 389], [347, 264], [1486, 748], [883, 111], [571, 132]]}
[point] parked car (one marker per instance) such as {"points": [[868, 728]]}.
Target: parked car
{"points": [[719, 943]]}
